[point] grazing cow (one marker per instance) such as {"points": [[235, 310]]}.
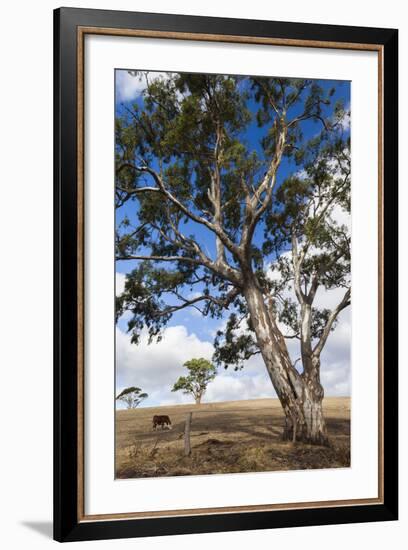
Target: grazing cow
{"points": [[161, 420]]}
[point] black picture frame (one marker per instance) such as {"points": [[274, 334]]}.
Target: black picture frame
{"points": [[67, 523]]}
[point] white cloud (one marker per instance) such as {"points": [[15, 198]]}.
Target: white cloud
{"points": [[335, 358], [346, 121], [120, 283], [129, 87], [340, 216], [301, 174], [120, 287], [226, 387], [156, 367], [328, 299]]}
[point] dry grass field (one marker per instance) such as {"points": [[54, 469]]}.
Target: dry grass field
{"points": [[227, 437]]}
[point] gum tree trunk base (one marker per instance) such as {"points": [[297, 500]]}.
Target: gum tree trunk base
{"points": [[312, 430], [300, 396]]}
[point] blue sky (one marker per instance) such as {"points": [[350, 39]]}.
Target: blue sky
{"points": [[188, 334]]}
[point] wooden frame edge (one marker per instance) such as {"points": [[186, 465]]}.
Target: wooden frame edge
{"points": [[191, 512], [238, 39], [81, 273], [82, 31], [380, 216]]}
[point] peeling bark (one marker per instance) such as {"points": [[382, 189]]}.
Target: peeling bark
{"points": [[300, 395]]}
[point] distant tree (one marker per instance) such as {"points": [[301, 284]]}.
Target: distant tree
{"points": [[132, 397], [200, 373]]}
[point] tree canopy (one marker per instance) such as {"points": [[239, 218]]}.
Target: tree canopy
{"points": [[132, 397], [183, 159], [200, 373]]}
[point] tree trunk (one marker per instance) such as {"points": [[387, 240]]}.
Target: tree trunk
{"points": [[314, 431], [300, 397], [197, 399]]}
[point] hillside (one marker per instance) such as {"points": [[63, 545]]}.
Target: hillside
{"points": [[226, 437]]}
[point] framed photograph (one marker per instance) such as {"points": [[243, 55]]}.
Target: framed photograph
{"points": [[225, 274]]}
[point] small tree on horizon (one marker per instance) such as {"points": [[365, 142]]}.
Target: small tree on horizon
{"points": [[132, 397], [200, 373]]}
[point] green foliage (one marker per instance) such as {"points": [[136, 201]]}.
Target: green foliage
{"points": [[233, 347], [200, 373], [182, 159]]}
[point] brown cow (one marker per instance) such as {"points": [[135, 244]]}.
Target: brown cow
{"points": [[161, 420]]}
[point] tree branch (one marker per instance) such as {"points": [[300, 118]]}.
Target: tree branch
{"points": [[160, 258], [225, 302], [296, 260], [215, 228], [267, 185], [220, 266]]}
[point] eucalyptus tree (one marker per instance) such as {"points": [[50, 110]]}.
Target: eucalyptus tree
{"points": [[209, 223], [132, 397], [200, 373]]}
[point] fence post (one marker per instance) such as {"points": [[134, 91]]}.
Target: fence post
{"points": [[187, 444]]}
